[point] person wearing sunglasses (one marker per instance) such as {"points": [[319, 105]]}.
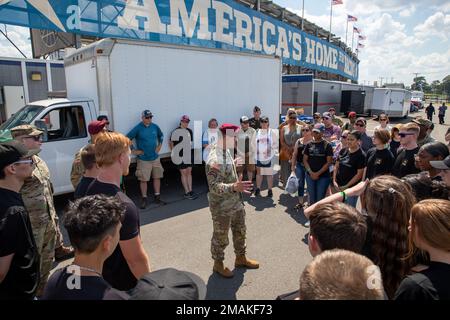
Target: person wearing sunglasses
{"points": [[289, 134], [405, 161], [297, 165], [366, 141], [330, 128], [149, 139], [183, 135], [317, 118], [19, 256], [37, 195], [383, 119], [266, 140]]}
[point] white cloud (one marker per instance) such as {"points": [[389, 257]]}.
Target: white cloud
{"points": [[436, 25], [408, 12], [20, 36]]}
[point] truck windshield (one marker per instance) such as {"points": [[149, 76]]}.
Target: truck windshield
{"points": [[23, 116]]}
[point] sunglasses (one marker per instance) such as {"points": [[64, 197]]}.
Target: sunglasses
{"points": [[383, 119], [293, 118], [404, 134], [360, 125], [264, 121], [35, 138], [326, 118], [149, 117], [305, 130], [244, 122], [25, 161]]}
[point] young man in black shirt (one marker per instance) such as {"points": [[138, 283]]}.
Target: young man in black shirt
{"points": [[90, 170], [379, 159], [93, 224], [405, 162], [19, 258], [129, 261]]}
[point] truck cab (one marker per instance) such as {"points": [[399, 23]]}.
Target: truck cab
{"points": [[64, 123]]}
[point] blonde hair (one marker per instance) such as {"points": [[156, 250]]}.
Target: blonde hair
{"points": [[431, 218], [109, 146], [411, 126], [341, 275]]}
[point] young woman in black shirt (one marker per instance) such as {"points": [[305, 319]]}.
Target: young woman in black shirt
{"points": [[379, 159], [349, 168], [429, 230]]}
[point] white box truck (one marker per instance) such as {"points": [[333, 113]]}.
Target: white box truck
{"points": [[121, 78], [393, 102]]}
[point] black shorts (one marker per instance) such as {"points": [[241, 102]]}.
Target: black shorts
{"points": [[263, 164]]}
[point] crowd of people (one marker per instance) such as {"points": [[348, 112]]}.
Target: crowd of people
{"points": [[395, 247]]}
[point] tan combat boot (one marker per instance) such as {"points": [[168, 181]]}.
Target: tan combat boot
{"points": [[222, 270], [242, 261]]}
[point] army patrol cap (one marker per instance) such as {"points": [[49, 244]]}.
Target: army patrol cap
{"points": [[423, 122], [25, 130], [13, 151]]}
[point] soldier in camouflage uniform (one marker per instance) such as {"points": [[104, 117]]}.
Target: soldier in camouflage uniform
{"points": [[226, 204], [38, 199]]}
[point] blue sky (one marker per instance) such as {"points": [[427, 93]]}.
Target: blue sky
{"points": [[403, 36]]}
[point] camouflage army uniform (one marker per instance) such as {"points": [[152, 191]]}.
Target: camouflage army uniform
{"points": [[38, 199], [77, 169], [227, 207]]}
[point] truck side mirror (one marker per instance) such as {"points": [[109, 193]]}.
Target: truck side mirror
{"points": [[41, 125]]}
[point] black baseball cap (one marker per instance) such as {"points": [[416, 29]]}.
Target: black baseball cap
{"points": [[164, 284], [13, 151]]}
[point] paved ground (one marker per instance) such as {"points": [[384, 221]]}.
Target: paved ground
{"points": [[178, 235]]}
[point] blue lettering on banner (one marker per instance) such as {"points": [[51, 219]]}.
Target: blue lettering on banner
{"points": [[222, 24]]}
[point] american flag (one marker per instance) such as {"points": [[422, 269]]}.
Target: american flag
{"points": [[360, 45], [356, 30], [351, 18], [362, 38], [335, 2]]}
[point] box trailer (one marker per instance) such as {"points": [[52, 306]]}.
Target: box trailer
{"points": [[393, 102], [309, 95], [121, 78]]}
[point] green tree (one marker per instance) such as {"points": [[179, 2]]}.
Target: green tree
{"points": [[445, 85], [419, 83], [436, 87]]}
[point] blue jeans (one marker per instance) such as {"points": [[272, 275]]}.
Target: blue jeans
{"points": [[300, 172], [317, 188], [351, 201]]}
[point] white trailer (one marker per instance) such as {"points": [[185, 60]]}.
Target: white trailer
{"points": [[393, 102], [309, 95], [121, 78]]}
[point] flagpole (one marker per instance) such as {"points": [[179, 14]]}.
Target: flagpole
{"points": [[303, 12], [331, 17], [353, 36], [346, 32]]}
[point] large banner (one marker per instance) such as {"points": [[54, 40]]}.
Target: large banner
{"points": [[222, 24]]}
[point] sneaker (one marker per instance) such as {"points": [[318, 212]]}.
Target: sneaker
{"points": [[159, 201], [192, 196], [64, 253], [257, 192], [269, 194], [143, 202]]}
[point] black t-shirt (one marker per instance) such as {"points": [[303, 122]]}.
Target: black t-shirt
{"points": [[393, 146], [63, 285], [300, 150], [349, 163], [317, 153], [16, 237], [379, 162], [405, 164], [80, 191], [180, 138], [255, 124], [430, 284], [116, 270]]}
